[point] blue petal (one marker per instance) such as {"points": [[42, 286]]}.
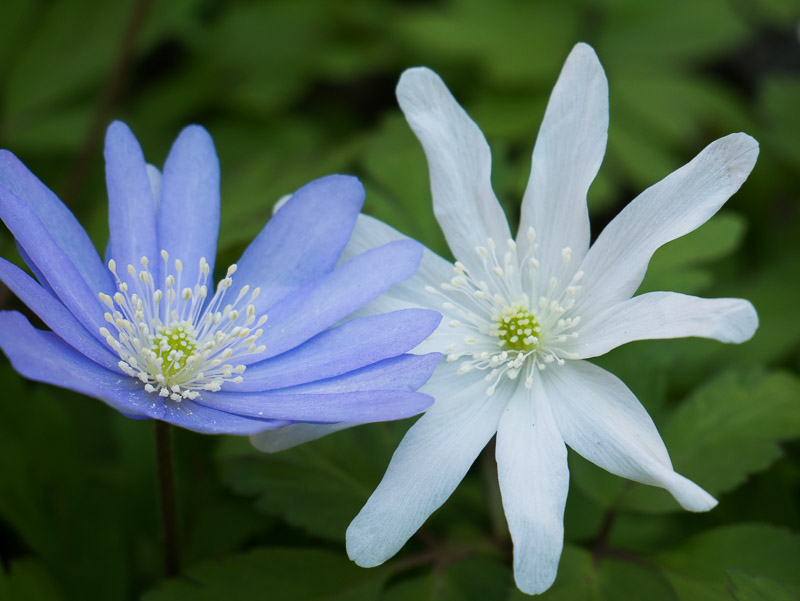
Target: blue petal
{"points": [[65, 230], [362, 406], [32, 266], [405, 372], [303, 240], [131, 206], [353, 345], [317, 306], [44, 357], [53, 313], [198, 418], [57, 269], [188, 214]]}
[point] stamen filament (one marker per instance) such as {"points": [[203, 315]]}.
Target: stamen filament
{"points": [[179, 347], [507, 333]]}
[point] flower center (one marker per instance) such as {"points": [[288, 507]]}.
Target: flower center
{"points": [[175, 340], [517, 329], [174, 345], [497, 329]]}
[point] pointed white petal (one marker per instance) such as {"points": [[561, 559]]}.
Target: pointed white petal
{"points": [[603, 421], [534, 479], [279, 439], [666, 315], [431, 460], [433, 271], [567, 155], [459, 161], [681, 202]]}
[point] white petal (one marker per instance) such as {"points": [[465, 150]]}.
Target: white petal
{"points": [[567, 155], [460, 164], [534, 479], [279, 439], [370, 233], [603, 421], [433, 271], [681, 202], [430, 461], [666, 315]]}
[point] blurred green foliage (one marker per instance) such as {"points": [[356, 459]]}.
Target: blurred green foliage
{"points": [[294, 90]]}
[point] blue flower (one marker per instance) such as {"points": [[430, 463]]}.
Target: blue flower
{"points": [[148, 333]]}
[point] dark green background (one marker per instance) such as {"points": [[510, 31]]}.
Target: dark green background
{"points": [[297, 89]]}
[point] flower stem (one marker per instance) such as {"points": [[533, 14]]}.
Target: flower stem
{"points": [[166, 490]]}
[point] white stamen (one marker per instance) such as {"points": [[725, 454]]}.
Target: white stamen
{"points": [[506, 333], [177, 347]]}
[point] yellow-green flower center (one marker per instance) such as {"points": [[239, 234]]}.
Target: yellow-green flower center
{"points": [[517, 329], [174, 345]]}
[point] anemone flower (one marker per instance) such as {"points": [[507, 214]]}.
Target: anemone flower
{"points": [[149, 333], [522, 316]]}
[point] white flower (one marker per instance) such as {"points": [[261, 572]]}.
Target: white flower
{"points": [[522, 316]]}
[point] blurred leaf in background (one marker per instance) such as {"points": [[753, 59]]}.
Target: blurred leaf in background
{"points": [[294, 90]]}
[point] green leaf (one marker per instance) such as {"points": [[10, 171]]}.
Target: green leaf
{"points": [[669, 107], [398, 188], [27, 580], [89, 57], [642, 161], [752, 409], [318, 486], [726, 430], [747, 587], [783, 14], [277, 574], [582, 577], [778, 332], [18, 17], [62, 484], [701, 563], [80, 467], [266, 53], [779, 106], [665, 34], [409, 589], [214, 522], [500, 36], [47, 86], [576, 579], [676, 266], [473, 579]]}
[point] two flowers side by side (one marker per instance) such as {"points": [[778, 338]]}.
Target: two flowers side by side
{"points": [[314, 330]]}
